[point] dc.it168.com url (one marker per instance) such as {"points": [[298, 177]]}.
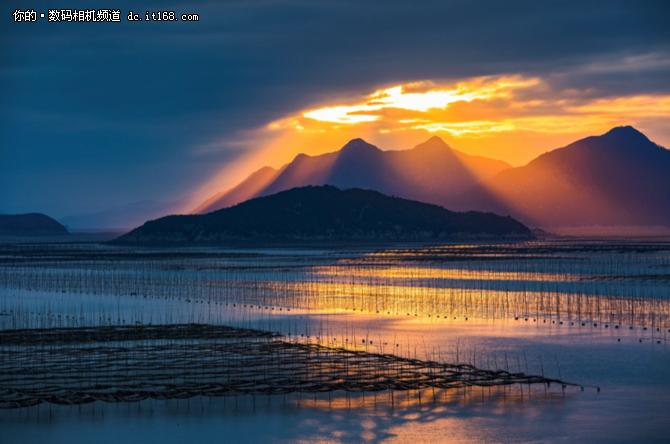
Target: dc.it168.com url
{"points": [[100, 15]]}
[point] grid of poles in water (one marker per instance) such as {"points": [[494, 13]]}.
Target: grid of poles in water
{"points": [[117, 324], [611, 283], [76, 366]]}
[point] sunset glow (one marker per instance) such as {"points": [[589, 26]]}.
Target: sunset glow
{"points": [[480, 106], [512, 118], [335, 221], [417, 97]]}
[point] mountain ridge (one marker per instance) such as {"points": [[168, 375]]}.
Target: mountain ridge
{"points": [[616, 179], [620, 178], [326, 213], [426, 172], [30, 224]]}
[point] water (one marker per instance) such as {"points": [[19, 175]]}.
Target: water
{"points": [[321, 288]]}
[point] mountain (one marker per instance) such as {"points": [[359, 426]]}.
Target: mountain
{"points": [[620, 178], [326, 213], [431, 172], [123, 217], [31, 224]]}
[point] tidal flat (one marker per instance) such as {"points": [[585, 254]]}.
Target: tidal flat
{"points": [[585, 311]]}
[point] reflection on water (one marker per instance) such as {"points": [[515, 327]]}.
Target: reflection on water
{"points": [[614, 285], [591, 312], [419, 272], [575, 418]]}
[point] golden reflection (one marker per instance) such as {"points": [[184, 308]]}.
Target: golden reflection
{"points": [[544, 302], [443, 273], [413, 405]]}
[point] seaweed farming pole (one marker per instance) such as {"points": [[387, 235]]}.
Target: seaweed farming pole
{"points": [[187, 360], [488, 281]]}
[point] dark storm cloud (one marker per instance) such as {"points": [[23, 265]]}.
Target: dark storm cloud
{"points": [[125, 109]]}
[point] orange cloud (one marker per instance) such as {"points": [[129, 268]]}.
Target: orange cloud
{"points": [[419, 97], [479, 106], [511, 118]]}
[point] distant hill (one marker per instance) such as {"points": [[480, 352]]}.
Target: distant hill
{"points": [[430, 172], [32, 224], [618, 179], [325, 212], [123, 217]]}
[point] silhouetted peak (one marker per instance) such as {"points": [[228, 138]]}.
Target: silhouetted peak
{"points": [[265, 169], [623, 130], [300, 157], [30, 224], [323, 213], [434, 143], [262, 172], [436, 139], [358, 145], [625, 135], [619, 141]]}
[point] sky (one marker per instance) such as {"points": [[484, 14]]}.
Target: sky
{"points": [[99, 115]]}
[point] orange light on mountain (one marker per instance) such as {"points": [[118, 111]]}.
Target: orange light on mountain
{"points": [[513, 119], [478, 107]]}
